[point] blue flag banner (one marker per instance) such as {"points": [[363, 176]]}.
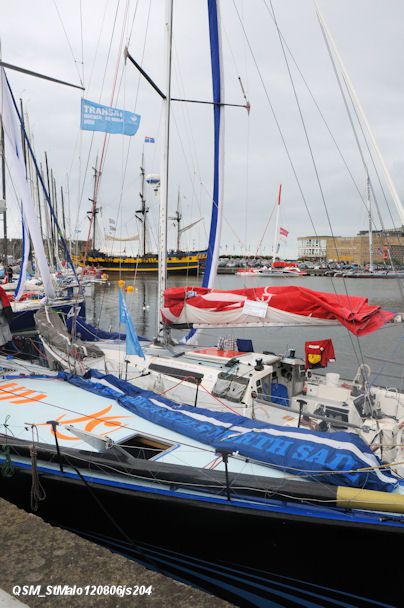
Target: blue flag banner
{"points": [[149, 140], [95, 117], [132, 343]]}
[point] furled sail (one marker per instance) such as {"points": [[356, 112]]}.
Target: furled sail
{"points": [[110, 237], [15, 160], [218, 95], [25, 248], [210, 271], [270, 306], [181, 230]]}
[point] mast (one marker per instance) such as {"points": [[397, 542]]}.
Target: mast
{"points": [[33, 175], [144, 208], [178, 217], [22, 127], [92, 214], [39, 203], [210, 272], [63, 210], [369, 199], [49, 217], [276, 237], [47, 223], [25, 230], [95, 210], [357, 103], [212, 259], [3, 182], [162, 278], [55, 207]]}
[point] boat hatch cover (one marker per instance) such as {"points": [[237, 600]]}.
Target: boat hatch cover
{"points": [[177, 372]]}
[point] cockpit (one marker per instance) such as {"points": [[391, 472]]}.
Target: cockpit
{"points": [[230, 386]]}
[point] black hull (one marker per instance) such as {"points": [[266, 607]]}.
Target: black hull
{"points": [[250, 557]]}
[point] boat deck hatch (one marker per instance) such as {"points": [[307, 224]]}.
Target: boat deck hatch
{"points": [[177, 372], [141, 446]]}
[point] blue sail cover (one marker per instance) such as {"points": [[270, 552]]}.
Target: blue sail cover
{"points": [[336, 458], [217, 85], [89, 333]]}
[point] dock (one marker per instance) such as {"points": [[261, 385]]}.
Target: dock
{"points": [[45, 566]]}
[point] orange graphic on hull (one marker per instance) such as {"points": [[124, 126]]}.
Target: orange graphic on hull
{"points": [[93, 421], [15, 393]]}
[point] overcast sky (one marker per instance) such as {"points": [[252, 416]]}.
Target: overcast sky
{"points": [[47, 36]]}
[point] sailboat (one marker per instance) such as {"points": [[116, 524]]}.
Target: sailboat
{"points": [[281, 268], [25, 307], [228, 497], [266, 386], [201, 483]]}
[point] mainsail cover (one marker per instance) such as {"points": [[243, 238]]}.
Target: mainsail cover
{"points": [[212, 260], [218, 167], [270, 306], [110, 237]]}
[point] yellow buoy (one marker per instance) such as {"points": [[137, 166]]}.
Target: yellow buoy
{"points": [[130, 289], [121, 283]]}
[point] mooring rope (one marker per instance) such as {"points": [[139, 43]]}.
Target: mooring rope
{"points": [[37, 490]]}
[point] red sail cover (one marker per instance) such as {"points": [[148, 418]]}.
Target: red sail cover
{"points": [[291, 305]]}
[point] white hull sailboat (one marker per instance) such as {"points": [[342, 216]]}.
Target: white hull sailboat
{"points": [[245, 382], [262, 386]]}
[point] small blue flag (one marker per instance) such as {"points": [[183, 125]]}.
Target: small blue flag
{"points": [[132, 343], [96, 117], [149, 140]]}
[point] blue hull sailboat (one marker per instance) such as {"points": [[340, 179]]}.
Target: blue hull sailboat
{"points": [[250, 511]]}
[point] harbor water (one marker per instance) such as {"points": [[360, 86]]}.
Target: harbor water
{"points": [[382, 351]]}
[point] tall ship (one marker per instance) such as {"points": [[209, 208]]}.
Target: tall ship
{"points": [[178, 261]]}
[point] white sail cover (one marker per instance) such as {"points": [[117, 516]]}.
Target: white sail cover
{"points": [[15, 161]]}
